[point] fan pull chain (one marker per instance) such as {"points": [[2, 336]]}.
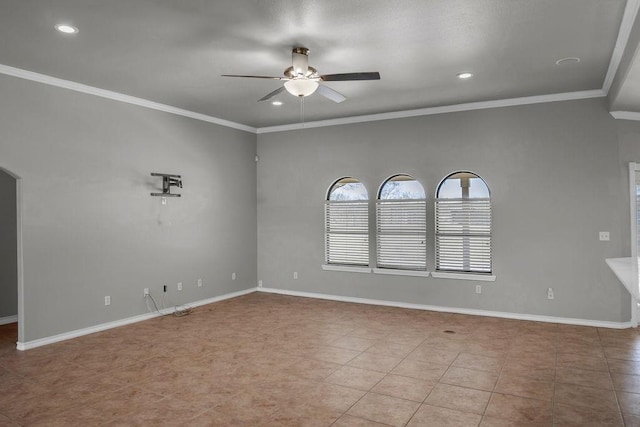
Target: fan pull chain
{"points": [[302, 110]]}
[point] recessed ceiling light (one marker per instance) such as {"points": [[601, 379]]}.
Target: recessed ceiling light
{"points": [[277, 103], [464, 76], [568, 60], [66, 28]]}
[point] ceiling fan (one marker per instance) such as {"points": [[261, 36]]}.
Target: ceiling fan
{"points": [[302, 80]]}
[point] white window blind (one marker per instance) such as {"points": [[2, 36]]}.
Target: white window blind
{"points": [[347, 232], [401, 234], [463, 235]]}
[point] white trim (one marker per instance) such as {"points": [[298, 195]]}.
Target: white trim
{"points": [[469, 311], [398, 272], [628, 18], [538, 99], [463, 276], [21, 311], [347, 268], [8, 319], [634, 168], [19, 258], [109, 325], [625, 115], [633, 214], [116, 96]]}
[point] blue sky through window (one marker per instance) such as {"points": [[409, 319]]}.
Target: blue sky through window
{"points": [[349, 190], [402, 187]]}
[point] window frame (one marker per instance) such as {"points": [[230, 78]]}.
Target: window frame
{"points": [[386, 258], [484, 214], [340, 209]]}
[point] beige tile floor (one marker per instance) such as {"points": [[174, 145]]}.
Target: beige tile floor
{"points": [[275, 360]]}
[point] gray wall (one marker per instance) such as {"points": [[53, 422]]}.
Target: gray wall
{"points": [[8, 246], [557, 173], [556, 177], [90, 227]]}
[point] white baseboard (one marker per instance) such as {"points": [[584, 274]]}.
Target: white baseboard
{"points": [[469, 311], [109, 325], [8, 319], [117, 323]]}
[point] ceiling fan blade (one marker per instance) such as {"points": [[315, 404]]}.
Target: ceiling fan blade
{"points": [[331, 94], [350, 76], [271, 94], [254, 77]]}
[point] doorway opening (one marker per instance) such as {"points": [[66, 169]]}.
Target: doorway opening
{"points": [[10, 260]]}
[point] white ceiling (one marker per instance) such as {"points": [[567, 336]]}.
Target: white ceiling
{"points": [[173, 52]]}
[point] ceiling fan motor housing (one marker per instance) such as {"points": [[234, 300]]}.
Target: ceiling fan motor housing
{"points": [[300, 61]]}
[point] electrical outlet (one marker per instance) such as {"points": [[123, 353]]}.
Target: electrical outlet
{"points": [[259, 283], [233, 276], [550, 293], [179, 286], [295, 275], [478, 289], [199, 283], [604, 235], [107, 300], [146, 291]]}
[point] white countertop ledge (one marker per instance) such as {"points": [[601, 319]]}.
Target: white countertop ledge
{"points": [[626, 269]]}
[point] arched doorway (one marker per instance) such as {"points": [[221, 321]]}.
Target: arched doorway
{"points": [[10, 259]]}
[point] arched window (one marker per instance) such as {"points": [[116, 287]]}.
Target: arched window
{"points": [[463, 224], [401, 224], [347, 223]]}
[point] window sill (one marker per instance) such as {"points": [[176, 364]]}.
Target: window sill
{"points": [[463, 276], [398, 272], [347, 268]]}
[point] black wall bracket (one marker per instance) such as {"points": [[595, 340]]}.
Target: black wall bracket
{"points": [[168, 181]]}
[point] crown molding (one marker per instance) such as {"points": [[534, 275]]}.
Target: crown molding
{"points": [[625, 115], [631, 10], [626, 25], [116, 96], [538, 99]]}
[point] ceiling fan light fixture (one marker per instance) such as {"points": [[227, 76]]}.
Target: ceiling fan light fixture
{"points": [[301, 87]]}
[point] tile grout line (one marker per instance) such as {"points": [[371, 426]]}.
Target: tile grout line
{"points": [[368, 391], [504, 362], [433, 388], [555, 376], [615, 391]]}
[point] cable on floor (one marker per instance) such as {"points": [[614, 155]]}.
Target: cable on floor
{"points": [[178, 310]]}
